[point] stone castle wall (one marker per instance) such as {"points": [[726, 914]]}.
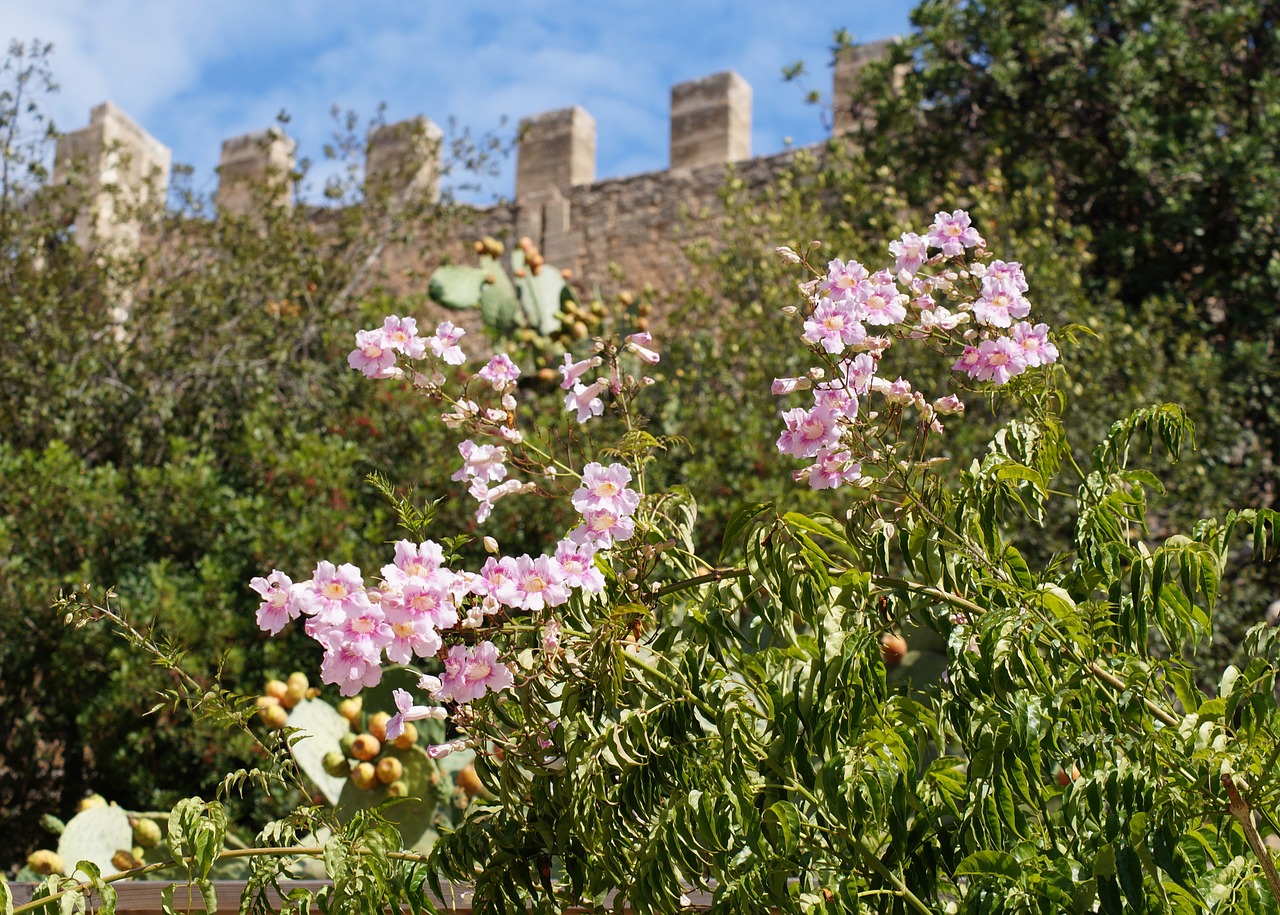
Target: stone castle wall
{"points": [[637, 225]]}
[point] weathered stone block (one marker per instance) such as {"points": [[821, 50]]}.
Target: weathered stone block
{"points": [[125, 171], [557, 150], [711, 121], [404, 158], [846, 112], [251, 163]]}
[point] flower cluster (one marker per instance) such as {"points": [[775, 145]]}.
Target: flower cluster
{"points": [[855, 315], [419, 607], [377, 350], [420, 601], [585, 400]]}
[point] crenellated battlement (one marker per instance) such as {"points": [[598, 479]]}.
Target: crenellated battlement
{"points": [[558, 201]]}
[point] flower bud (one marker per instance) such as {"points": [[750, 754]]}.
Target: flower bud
{"points": [[490, 545]]}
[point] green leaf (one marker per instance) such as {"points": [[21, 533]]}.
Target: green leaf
{"points": [[781, 824], [1129, 872], [990, 863], [209, 895], [739, 523]]}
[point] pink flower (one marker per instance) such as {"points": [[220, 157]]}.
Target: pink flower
{"points": [[838, 398], [440, 751], [606, 487], [406, 711], [835, 325], [640, 345], [551, 637], [501, 372], [467, 410], [999, 305], [577, 564], [444, 343], [602, 527], [414, 560], [402, 334], [1002, 358], [432, 598], [331, 591], [351, 670], [953, 233], [947, 405], [910, 252], [833, 469], [537, 584], [372, 355], [1006, 273], [481, 462], [363, 628], [486, 496], [885, 305], [808, 431], [412, 633], [897, 392], [858, 372], [970, 362], [276, 609], [941, 319], [844, 281], [469, 673], [493, 575], [1034, 341], [572, 371], [783, 386], [585, 399]]}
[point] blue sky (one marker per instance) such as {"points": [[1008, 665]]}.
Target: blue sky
{"points": [[193, 74]]}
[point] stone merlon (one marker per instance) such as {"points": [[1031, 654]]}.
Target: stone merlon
{"points": [[557, 150], [250, 162], [711, 121], [124, 168]]}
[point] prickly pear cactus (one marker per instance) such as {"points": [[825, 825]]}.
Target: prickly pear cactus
{"points": [[324, 729], [542, 291], [96, 835], [530, 297], [499, 300], [458, 287], [346, 755]]}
